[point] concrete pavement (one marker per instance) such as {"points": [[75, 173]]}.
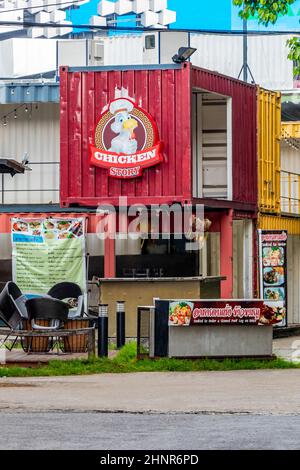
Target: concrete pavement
{"points": [[260, 392]]}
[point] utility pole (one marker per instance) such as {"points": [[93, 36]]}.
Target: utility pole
{"points": [[245, 67], [245, 51]]}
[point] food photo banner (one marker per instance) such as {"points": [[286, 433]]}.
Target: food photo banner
{"points": [[48, 251], [273, 269], [199, 312]]}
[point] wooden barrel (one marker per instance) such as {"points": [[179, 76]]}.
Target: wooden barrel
{"points": [[40, 344], [76, 343]]}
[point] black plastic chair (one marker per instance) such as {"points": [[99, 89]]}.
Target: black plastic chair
{"points": [[10, 313], [46, 308], [65, 290]]}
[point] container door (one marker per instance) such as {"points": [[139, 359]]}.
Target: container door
{"points": [[269, 121]]}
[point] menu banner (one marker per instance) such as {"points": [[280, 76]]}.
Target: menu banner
{"points": [[273, 270], [254, 312], [48, 251]]}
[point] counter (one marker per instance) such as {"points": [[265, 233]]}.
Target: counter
{"points": [[215, 328], [142, 291]]}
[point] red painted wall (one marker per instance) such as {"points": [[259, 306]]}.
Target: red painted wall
{"points": [[166, 95]]}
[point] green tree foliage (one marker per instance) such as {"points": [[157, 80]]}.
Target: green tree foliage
{"points": [[268, 11]]}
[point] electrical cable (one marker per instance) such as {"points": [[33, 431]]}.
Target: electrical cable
{"points": [[32, 24], [28, 108]]}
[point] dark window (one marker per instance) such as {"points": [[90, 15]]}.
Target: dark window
{"points": [[150, 42]]}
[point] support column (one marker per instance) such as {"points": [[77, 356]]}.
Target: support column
{"points": [[226, 254]]}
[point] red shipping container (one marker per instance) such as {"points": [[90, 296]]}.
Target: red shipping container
{"points": [[165, 92]]}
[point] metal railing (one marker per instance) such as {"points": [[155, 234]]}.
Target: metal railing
{"points": [[290, 192]]}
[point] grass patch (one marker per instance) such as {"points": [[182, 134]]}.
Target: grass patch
{"points": [[126, 362]]}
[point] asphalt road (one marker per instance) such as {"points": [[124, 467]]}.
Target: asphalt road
{"points": [[116, 431]]}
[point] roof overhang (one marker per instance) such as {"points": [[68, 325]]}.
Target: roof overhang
{"points": [[29, 92]]}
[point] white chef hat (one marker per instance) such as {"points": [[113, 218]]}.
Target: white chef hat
{"points": [[119, 105]]}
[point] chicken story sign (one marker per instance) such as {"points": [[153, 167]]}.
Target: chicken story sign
{"points": [[126, 140]]}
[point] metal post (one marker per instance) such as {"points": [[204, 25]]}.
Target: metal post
{"points": [[121, 338], [245, 51], [103, 330]]}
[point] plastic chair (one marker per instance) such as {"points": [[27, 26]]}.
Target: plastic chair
{"points": [[10, 313], [65, 290], [46, 308]]}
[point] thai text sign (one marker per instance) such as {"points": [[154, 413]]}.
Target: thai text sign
{"points": [[254, 312], [48, 251]]}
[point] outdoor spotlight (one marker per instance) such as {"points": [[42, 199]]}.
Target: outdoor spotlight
{"points": [[184, 53]]}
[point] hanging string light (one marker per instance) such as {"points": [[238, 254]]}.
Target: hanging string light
{"points": [[14, 113]]}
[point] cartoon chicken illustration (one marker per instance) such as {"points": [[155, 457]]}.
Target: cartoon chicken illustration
{"points": [[124, 126]]}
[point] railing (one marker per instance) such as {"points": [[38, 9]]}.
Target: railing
{"points": [[290, 192]]}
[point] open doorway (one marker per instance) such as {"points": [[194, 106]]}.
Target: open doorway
{"points": [[212, 145]]}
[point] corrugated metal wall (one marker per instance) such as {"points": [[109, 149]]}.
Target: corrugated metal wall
{"points": [[269, 121], [244, 139], [278, 222], [165, 94], [267, 57], [126, 50], [35, 132]]}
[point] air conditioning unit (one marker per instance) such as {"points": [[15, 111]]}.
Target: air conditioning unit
{"points": [[96, 53]]}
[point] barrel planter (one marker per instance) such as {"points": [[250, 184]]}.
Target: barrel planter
{"points": [[40, 344], [76, 343]]}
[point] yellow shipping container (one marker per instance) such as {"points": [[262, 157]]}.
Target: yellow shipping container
{"points": [[290, 130], [272, 222], [269, 130]]}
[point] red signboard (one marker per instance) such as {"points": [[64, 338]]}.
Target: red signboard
{"points": [[255, 312], [126, 140]]}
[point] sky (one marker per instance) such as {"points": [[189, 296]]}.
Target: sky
{"points": [[203, 14], [192, 14]]}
